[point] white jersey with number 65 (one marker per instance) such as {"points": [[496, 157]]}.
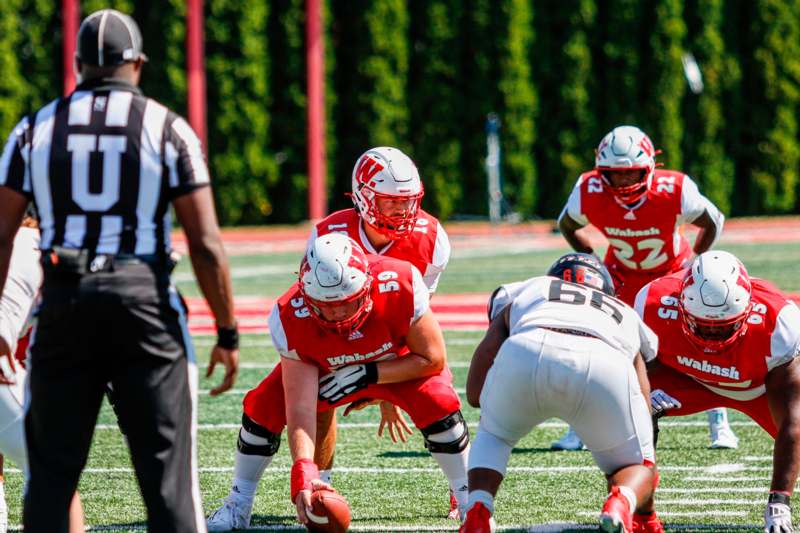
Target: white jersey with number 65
{"points": [[550, 302]]}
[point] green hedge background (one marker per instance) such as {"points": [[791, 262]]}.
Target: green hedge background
{"points": [[422, 75]]}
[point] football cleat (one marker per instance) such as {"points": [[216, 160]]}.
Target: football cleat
{"points": [[234, 514], [3, 510], [570, 442], [647, 523], [479, 520], [616, 514]]}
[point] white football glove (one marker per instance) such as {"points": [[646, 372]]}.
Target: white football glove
{"points": [[347, 380], [661, 402], [778, 518]]}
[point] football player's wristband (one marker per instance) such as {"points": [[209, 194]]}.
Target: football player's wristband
{"points": [[303, 472], [228, 338], [779, 496], [371, 373]]}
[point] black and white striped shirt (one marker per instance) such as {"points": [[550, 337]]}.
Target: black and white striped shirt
{"points": [[102, 166]]}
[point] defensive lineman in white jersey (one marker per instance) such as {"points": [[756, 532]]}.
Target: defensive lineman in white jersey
{"points": [[561, 346], [16, 306]]}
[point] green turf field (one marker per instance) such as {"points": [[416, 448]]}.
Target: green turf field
{"points": [[398, 487]]}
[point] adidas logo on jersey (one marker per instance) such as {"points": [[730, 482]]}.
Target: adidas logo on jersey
{"points": [[705, 366], [355, 335], [627, 232]]}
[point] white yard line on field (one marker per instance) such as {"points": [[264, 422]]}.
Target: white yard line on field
{"points": [[705, 501], [426, 470], [716, 479], [547, 425], [680, 514], [713, 490]]}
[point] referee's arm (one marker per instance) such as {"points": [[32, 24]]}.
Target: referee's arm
{"points": [[193, 202]]}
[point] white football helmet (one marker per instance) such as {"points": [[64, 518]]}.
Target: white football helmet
{"points": [[386, 172], [715, 300], [335, 274], [627, 148]]}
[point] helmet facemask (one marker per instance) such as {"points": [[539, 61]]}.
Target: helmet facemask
{"points": [[385, 175], [715, 301], [335, 283], [361, 304], [627, 148]]}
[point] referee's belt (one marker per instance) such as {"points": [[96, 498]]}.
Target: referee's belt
{"points": [[79, 262]]}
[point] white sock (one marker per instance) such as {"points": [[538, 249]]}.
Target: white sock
{"points": [[718, 416], [483, 497], [247, 473], [630, 496], [454, 466]]}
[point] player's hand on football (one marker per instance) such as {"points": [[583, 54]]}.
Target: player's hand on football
{"points": [[661, 402], [230, 360], [303, 500], [778, 518], [392, 417]]}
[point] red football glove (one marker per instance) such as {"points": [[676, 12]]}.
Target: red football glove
{"points": [[303, 472]]}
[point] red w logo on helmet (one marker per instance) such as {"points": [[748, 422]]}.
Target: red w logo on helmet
{"points": [[367, 168], [647, 146]]}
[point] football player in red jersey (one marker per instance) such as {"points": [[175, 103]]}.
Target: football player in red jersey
{"points": [[732, 340], [640, 210], [386, 219], [355, 326]]}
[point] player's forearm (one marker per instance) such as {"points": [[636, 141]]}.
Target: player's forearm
{"points": [[786, 456], [301, 437], [409, 367], [211, 268], [569, 229], [705, 238]]}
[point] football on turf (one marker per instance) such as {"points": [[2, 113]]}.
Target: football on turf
{"points": [[330, 512]]}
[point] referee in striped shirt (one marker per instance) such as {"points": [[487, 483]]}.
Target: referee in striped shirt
{"points": [[102, 166]]}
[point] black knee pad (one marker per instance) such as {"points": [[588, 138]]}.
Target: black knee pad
{"points": [[456, 446], [269, 449]]}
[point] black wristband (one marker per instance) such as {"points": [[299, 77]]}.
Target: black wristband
{"points": [[371, 370], [779, 497], [228, 338]]}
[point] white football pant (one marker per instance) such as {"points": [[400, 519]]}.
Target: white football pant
{"points": [[581, 380], [12, 419]]}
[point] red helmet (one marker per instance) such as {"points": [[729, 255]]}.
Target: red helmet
{"points": [[335, 279], [627, 148], [386, 172], [715, 301]]}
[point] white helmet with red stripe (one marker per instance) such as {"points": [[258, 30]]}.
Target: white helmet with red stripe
{"points": [[715, 300], [386, 172], [627, 148], [335, 283]]}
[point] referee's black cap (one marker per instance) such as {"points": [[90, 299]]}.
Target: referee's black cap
{"points": [[107, 38]]}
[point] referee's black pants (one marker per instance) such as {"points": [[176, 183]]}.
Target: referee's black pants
{"points": [[125, 327]]}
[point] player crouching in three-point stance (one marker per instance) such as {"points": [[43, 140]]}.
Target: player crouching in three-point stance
{"points": [[355, 326], [562, 346], [732, 340]]}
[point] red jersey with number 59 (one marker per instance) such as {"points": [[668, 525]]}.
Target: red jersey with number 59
{"points": [[772, 338], [399, 298], [427, 248], [645, 236]]}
